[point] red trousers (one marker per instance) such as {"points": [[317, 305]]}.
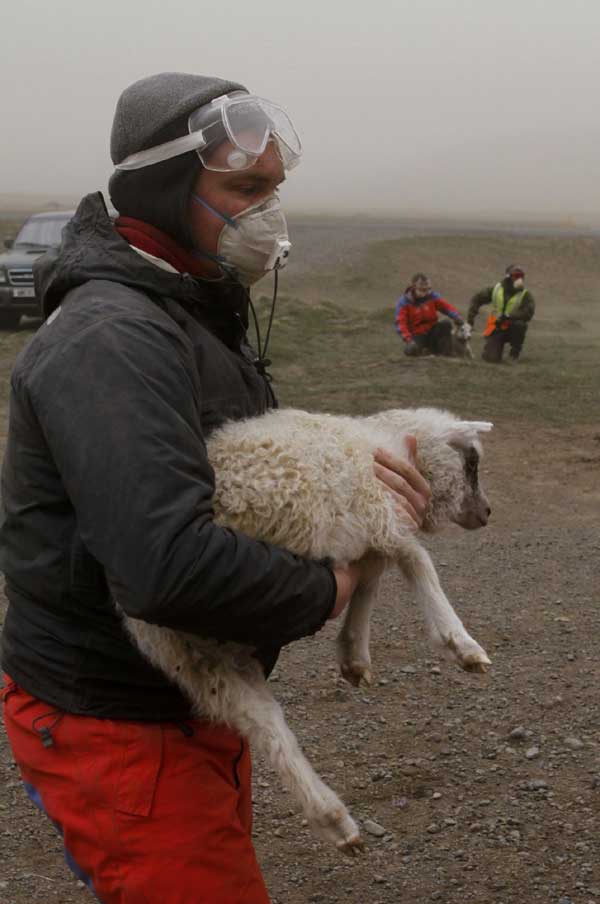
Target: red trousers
{"points": [[150, 813]]}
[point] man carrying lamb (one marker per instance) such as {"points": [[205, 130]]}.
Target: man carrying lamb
{"points": [[107, 493]]}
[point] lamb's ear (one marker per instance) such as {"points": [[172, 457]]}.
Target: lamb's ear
{"points": [[477, 426], [465, 433]]}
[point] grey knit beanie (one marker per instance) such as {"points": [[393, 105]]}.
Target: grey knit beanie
{"points": [[149, 112]]}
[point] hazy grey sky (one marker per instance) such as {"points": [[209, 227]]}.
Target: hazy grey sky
{"points": [[428, 107]]}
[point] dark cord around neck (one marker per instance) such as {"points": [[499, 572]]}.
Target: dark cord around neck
{"points": [[261, 362]]}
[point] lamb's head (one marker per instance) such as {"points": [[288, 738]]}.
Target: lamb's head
{"points": [[474, 510], [463, 332], [448, 455]]}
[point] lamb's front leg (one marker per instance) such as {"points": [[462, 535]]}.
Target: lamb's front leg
{"points": [[352, 644], [445, 627]]}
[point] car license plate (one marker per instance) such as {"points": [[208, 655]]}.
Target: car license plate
{"points": [[24, 293]]}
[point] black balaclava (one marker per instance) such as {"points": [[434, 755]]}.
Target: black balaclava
{"points": [[159, 194], [150, 112]]}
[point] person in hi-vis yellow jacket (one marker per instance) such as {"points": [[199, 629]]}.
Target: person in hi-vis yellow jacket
{"points": [[513, 306]]}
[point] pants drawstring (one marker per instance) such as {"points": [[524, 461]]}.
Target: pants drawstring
{"points": [[10, 688], [45, 732], [185, 729]]}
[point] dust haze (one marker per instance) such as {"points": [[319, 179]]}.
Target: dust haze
{"points": [[441, 108]]}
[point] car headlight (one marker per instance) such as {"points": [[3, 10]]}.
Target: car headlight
{"points": [[3, 277]]}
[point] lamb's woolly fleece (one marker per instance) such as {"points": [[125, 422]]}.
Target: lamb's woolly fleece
{"points": [[307, 482]]}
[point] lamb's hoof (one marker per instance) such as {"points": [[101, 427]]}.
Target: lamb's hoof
{"points": [[356, 672], [335, 825], [471, 657], [479, 666], [352, 847]]}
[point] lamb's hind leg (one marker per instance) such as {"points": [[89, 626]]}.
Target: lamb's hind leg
{"points": [[352, 643], [252, 709], [226, 684], [445, 627]]}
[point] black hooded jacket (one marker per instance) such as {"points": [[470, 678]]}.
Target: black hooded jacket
{"points": [[106, 486]]}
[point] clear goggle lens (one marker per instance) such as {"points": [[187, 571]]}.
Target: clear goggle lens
{"points": [[238, 129]]}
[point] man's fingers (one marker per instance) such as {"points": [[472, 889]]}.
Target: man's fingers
{"points": [[407, 471], [403, 504], [404, 493], [406, 507]]}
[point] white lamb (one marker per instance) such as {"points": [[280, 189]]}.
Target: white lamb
{"points": [[306, 482], [461, 340]]}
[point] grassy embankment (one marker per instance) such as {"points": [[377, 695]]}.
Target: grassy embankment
{"points": [[339, 351], [334, 346]]}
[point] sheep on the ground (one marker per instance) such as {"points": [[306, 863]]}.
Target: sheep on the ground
{"points": [[307, 482], [461, 340]]}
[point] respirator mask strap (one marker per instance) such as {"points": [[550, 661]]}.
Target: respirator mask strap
{"points": [[228, 270], [217, 213]]}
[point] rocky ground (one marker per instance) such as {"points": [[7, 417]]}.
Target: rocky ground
{"points": [[482, 789], [478, 789]]}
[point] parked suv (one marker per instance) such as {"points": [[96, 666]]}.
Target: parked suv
{"points": [[17, 293]]}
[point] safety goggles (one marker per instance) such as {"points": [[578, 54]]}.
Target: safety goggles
{"points": [[229, 134]]}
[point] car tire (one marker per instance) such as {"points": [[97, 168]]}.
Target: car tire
{"points": [[9, 320]]}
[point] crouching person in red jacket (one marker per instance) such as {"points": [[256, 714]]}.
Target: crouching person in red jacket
{"points": [[417, 319]]}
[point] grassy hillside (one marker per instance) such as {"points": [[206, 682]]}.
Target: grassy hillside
{"points": [[335, 348], [334, 345]]}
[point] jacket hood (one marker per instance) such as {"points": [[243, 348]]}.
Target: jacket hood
{"points": [[412, 299], [92, 248]]}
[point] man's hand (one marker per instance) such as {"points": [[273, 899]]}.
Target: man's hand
{"points": [[411, 348], [411, 490], [412, 494], [502, 319], [348, 577]]}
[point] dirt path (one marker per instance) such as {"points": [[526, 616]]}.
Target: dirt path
{"points": [[469, 811]]}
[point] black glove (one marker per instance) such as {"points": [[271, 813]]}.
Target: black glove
{"points": [[502, 319], [411, 348], [458, 321]]}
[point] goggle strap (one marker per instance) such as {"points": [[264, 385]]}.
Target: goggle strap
{"points": [[160, 152]]}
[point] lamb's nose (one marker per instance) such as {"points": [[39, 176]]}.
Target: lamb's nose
{"points": [[484, 515]]}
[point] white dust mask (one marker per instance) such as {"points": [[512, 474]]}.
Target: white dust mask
{"points": [[254, 241], [519, 282]]}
